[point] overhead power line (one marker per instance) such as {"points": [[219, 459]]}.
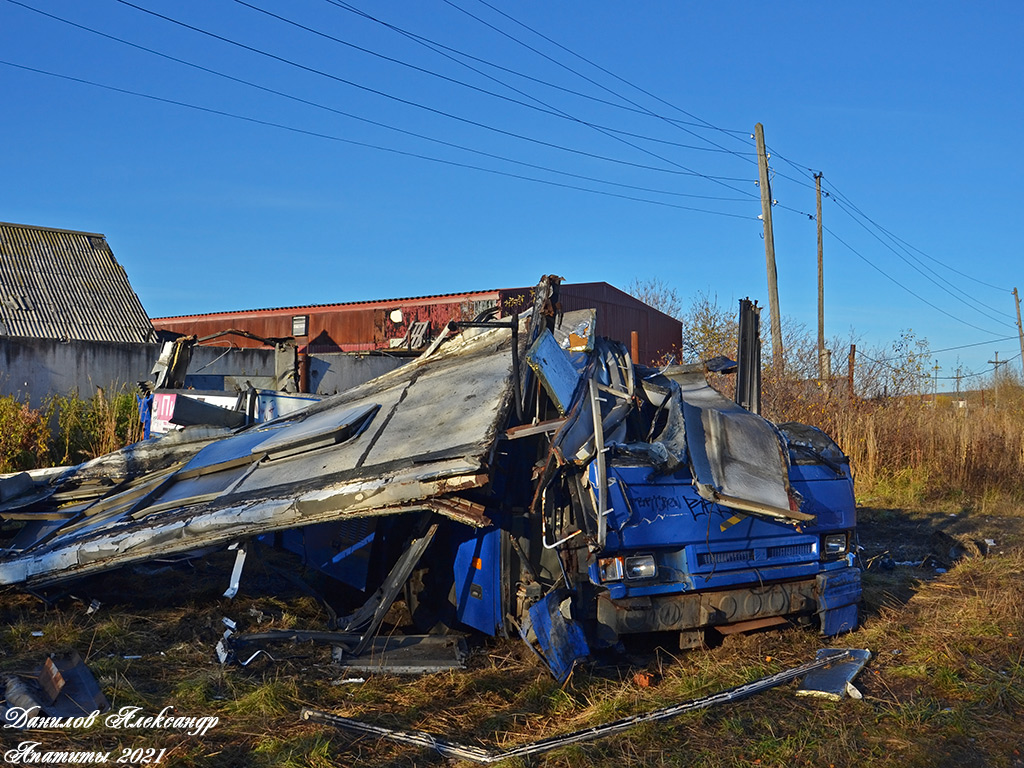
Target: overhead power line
{"points": [[353, 142], [924, 375], [918, 269], [905, 288], [418, 105], [837, 196], [451, 53], [732, 134], [545, 107], [376, 123], [960, 346]]}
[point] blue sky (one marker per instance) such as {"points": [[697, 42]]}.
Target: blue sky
{"points": [[911, 110]]}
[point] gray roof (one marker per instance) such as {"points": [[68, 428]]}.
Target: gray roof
{"points": [[59, 284]]}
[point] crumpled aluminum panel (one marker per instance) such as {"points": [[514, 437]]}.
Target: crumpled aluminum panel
{"points": [[409, 440], [739, 459]]}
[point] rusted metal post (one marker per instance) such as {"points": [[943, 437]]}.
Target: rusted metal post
{"points": [[303, 360], [634, 347]]}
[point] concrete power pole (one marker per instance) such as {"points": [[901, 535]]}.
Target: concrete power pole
{"points": [[824, 369], [1020, 330], [769, 250]]}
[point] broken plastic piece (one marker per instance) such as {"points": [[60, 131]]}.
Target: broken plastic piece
{"points": [[236, 572]]}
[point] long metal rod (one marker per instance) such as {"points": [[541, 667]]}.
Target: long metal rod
{"points": [[479, 755], [602, 471]]}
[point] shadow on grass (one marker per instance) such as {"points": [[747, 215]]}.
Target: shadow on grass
{"points": [[900, 549]]}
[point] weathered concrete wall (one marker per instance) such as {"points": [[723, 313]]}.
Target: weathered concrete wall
{"points": [[34, 369]]}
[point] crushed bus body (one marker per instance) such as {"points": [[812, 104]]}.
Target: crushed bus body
{"points": [[522, 477]]}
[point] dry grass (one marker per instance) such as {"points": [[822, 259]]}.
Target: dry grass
{"points": [[912, 450], [946, 685]]}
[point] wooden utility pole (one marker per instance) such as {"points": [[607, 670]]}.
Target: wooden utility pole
{"points": [[935, 385], [995, 375], [1020, 330], [769, 250], [823, 366]]}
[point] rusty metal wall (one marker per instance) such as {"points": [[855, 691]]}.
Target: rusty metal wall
{"points": [[352, 327], [618, 315], [368, 326]]}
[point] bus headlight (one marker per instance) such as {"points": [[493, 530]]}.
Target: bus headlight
{"points": [[834, 546], [641, 567]]}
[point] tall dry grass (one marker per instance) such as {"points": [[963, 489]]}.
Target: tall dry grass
{"points": [[65, 429], [916, 449]]}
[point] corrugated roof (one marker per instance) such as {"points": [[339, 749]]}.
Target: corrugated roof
{"points": [[61, 284], [341, 304]]}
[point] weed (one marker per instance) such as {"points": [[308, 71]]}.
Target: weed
{"points": [[65, 430], [24, 436], [273, 697]]}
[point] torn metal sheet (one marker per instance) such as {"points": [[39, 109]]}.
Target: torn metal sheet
{"points": [[738, 458], [554, 370], [410, 440], [561, 640], [15, 485], [407, 655], [835, 681], [480, 755]]}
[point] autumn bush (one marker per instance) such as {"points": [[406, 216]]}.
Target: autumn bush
{"points": [[65, 429], [24, 435]]}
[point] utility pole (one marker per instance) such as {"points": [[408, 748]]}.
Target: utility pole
{"points": [[935, 385], [823, 368], [849, 373], [995, 375], [769, 250], [1020, 330]]}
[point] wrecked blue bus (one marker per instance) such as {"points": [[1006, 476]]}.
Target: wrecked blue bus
{"points": [[629, 501], [522, 477]]}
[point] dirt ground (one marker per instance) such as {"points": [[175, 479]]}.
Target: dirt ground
{"points": [[151, 643]]}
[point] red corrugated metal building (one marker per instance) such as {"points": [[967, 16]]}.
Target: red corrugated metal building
{"points": [[383, 324]]}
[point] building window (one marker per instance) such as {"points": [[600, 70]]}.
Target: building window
{"points": [[300, 325]]}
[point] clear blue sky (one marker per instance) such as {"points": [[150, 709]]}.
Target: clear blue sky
{"points": [[911, 110]]}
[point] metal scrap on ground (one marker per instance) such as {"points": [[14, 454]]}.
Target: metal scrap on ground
{"points": [[479, 755]]}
